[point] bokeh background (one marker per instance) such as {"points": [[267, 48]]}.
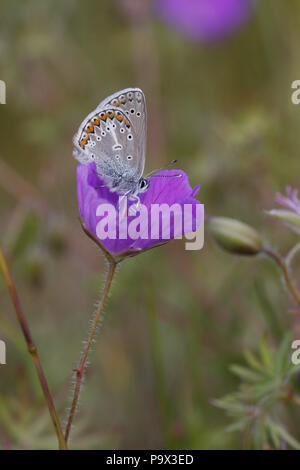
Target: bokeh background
{"points": [[218, 90]]}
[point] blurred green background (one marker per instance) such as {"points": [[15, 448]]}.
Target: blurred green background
{"points": [[175, 319]]}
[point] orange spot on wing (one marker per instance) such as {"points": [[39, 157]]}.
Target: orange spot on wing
{"points": [[96, 121], [115, 102], [110, 114], [83, 142], [89, 128]]}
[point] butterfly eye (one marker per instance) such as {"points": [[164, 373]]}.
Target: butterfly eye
{"points": [[108, 129], [103, 133], [129, 157], [132, 110], [117, 157], [92, 156], [98, 138], [143, 184], [122, 130], [138, 114], [129, 137]]}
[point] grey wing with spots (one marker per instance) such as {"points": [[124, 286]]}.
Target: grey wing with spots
{"points": [[108, 138], [132, 102]]}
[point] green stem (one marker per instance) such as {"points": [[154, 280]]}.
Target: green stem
{"points": [[32, 350], [284, 269], [82, 363]]}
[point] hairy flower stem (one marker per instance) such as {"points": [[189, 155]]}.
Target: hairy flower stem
{"points": [[82, 363], [33, 351], [284, 269]]}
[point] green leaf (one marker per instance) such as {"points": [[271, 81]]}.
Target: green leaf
{"points": [[274, 437], [266, 355], [283, 434], [245, 374], [283, 356], [259, 434], [253, 362], [230, 405], [240, 425]]}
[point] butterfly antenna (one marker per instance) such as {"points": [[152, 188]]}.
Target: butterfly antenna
{"points": [[171, 163]]}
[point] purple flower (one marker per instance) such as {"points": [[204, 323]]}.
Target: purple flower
{"points": [[290, 201], [205, 20], [151, 225], [289, 214]]}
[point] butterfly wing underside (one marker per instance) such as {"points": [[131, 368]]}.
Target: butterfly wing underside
{"points": [[114, 136]]}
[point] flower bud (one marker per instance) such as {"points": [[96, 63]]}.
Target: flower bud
{"points": [[235, 236]]}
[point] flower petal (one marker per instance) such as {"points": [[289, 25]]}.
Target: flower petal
{"points": [[169, 191]]}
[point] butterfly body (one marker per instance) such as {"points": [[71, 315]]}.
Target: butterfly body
{"points": [[114, 137]]}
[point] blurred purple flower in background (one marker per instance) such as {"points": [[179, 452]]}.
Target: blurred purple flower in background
{"points": [[290, 201], [205, 20], [289, 213], [173, 189]]}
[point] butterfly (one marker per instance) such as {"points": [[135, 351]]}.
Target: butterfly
{"points": [[114, 137]]}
